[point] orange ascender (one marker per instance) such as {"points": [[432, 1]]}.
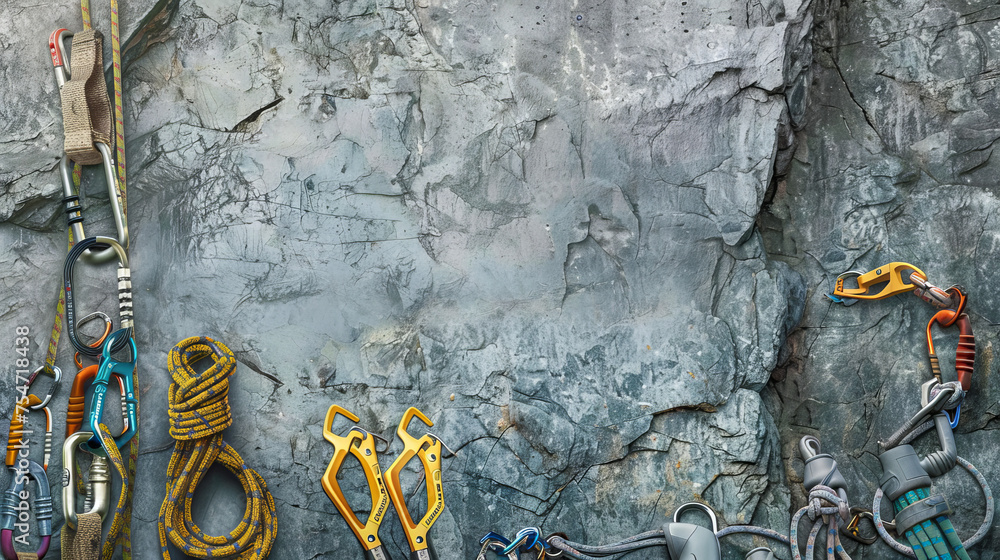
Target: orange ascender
{"points": [[361, 444], [885, 281], [428, 449]]}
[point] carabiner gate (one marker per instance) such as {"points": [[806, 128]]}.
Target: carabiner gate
{"points": [[123, 370], [56, 375], [15, 442], [76, 409], [965, 353]]}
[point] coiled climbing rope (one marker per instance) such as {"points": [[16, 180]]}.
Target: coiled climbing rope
{"points": [[199, 412]]}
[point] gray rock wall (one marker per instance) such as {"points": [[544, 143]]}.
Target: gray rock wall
{"points": [[540, 223]]}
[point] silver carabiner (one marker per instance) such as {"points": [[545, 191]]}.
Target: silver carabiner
{"points": [[71, 197], [98, 484]]}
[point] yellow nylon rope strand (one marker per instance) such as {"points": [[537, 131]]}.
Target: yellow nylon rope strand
{"points": [[120, 531], [199, 412]]}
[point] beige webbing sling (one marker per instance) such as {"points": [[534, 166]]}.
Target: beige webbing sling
{"points": [[85, 103]]}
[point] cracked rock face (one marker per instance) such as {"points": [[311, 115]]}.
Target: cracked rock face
{"points": [[542, 225]]}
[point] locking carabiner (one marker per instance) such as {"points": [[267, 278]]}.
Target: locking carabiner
{"points": [[14, 505], [98, 481], [98, 254], [124, 295], [361, 444], [16, 444], [888, 280], [965, 353], [428, 449], [123, 370], [76, 409]]}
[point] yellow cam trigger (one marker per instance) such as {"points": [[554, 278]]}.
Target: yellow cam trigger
{"points": [[885, 281], [361, 444], [428, 450]]}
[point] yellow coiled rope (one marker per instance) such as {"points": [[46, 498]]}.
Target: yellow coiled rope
{"points": [[199, 411]]}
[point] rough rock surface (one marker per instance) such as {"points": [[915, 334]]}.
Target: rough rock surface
{"points": [[539, 222]]}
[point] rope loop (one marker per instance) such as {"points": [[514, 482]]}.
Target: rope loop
{"points": [[199, 402], [199, 412]]}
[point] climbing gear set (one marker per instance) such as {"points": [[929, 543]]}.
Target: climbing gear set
{"points": [[683, 541], [87, 121], [385, 488], [828, 505], [199, 412], [921, 517]]}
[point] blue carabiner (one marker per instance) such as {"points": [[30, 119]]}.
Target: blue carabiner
{"points": [[521, 538], [99, 388]]}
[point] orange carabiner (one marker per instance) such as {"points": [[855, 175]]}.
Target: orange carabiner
{"points": [[428, 450], [361, 444], [885, 281], [15, 440], [965, 354]]}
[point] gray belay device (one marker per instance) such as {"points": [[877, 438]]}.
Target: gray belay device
{"points": [[686, 541]]}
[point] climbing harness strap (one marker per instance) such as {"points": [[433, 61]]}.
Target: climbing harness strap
{"points": [[199, 412]]}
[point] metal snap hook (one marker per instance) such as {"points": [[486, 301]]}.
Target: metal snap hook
{"points": [[56, 375], [701, 506]]}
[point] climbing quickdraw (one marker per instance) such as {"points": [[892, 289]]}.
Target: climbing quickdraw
{"points": [[900, 277], [361, 444], [71, 198], [920, 517], [428, 449]]}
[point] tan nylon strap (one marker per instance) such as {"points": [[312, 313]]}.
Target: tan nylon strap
{"points": [[27, 556], [85, 542], [85, 103]]}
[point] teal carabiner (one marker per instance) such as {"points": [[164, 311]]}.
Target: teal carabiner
{"points": [[99, 387]]}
